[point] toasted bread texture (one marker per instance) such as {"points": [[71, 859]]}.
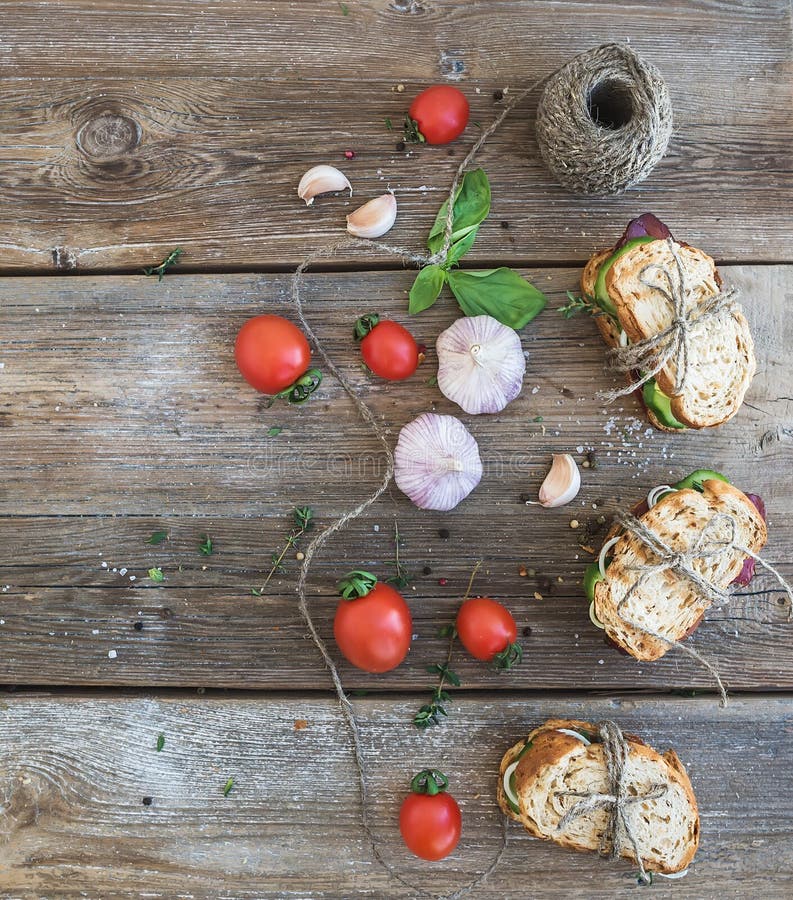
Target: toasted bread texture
{"points": [[607, 327], [666, 828], [668, 603], [721, 350]]}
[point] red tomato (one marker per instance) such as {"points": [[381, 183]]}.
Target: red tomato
{"points": [[485, 627], [374, 631], [441, 113], [390, 350], [271, 353], [430, 823]]}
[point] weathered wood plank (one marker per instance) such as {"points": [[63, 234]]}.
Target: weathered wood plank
{"points": [[124, 414], [206, 117], [75, 770]]}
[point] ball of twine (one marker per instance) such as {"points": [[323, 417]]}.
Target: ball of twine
{"points": [[604, 121]]}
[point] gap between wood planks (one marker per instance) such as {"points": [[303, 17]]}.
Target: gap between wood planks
{"points": [[330, 268]]}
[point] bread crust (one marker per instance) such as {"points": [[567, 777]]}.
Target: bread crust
{"points": [[706, 282], [672, 508], [608, 330], [552, 749]]}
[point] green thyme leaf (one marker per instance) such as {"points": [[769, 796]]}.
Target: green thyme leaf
{"points": [[169, 260], [160, 742], [274, 430], [156, 575], [157, 537], [206, 546], [227, 787]]}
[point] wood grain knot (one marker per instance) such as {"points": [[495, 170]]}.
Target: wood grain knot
{"points": [[108, 136]]}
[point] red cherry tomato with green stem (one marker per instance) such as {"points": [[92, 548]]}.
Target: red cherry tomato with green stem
{"points": [[429, 819], [373, 626], [273, 356], [487, 631], [438, 115], [388, 349]]}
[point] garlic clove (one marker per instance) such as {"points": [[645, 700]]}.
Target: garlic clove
{"points": [[480, 364], [436, 461], [562, 483], [322, 180], [373, 219]]}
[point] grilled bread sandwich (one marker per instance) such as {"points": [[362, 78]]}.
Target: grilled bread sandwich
{"points": [[667, 606], [566, 755], [721, 362]]}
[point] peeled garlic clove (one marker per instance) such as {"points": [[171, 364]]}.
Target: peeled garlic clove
{"points": [[322, 180], [480, 364], [562, 483], [373, 219], [436, 461]]}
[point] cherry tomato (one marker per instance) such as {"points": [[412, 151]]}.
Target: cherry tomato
{"points": [[488, 631], [429, 819], [373, 626], [271, 353], [440, 113], [388, 349]]}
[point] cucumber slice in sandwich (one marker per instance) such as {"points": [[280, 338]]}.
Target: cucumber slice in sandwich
{"points": [[659, 404], [695, 479], [508, 781], [601, 294]]}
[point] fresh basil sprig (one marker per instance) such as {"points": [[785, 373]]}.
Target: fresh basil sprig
{"points": [[501, 293]]}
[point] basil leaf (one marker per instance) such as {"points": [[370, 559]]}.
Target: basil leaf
{"points": [[500, 293], [459, 248], [471, 206], [426, 288]]}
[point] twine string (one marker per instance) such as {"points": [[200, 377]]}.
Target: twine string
{"points": [[710, 544], [366, 414], [617, 800], [650, 356]]}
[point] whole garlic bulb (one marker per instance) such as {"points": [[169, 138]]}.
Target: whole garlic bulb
{"points": [[480, 364], [436, 461]]}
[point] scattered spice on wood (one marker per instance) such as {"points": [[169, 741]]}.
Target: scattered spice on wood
{"points": [[303, 519], [349, 154], [426, 570], [443, 533], [138, 626], [442, 582], [147, 801], [527, 631], [301, 724], [498, 95]]}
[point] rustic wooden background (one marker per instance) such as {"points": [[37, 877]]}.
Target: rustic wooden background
{"points": [[128, 128]]}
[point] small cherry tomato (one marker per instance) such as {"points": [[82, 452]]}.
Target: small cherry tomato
{"points": [[488, 631], [388, 349], [438, 115], [429, 819], [271, 353], [373, 626]]}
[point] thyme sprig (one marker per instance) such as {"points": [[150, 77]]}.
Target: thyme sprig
{"points": [[303, 518], [170, 260], [401, 577], [585, 303], [430, 713]]}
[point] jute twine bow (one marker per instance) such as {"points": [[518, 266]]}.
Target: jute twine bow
{"points": [[617, 800], [709, 544], [672, 344]]}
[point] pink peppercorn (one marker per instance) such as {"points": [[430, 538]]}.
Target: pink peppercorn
{"points": [[442, 582], [349, 154]]}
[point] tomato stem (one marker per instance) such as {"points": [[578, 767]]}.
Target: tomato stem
{"points": [[510, 656], [356, 584], [365, 324], [429, 781], [412, 133], [300, 390]]}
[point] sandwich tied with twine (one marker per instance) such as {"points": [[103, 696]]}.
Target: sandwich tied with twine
{"points": [[671, 345], [620, 797], [717, 537]]}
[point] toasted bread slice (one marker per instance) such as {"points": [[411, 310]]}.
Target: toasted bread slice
{"points": [[607, 327], [721, 350], [669, 604], [667, 828]]}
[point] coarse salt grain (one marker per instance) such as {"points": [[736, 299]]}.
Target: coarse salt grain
{"points": [[112, 654]]}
